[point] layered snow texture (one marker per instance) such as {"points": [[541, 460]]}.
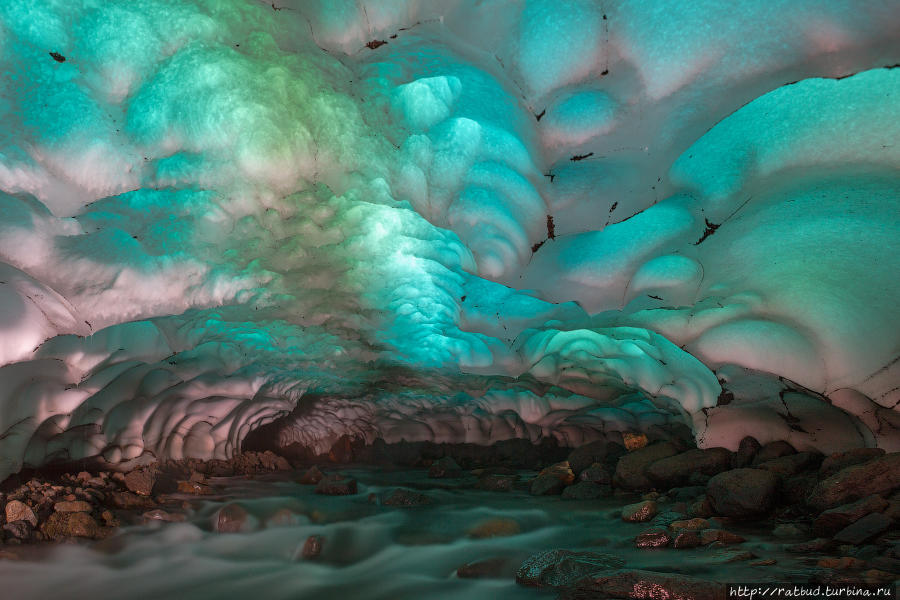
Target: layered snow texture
{"points": [[454, 221]]}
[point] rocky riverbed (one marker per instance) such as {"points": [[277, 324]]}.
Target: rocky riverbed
{"points": [[605, 520]]}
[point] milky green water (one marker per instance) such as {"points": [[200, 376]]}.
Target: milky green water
{"points": [[369, 551]]}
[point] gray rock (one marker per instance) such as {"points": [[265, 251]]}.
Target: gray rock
{"points": [[630, 470], [140, 481], [20, 530], [877, 476], [17, 510], [312, 547], [792, 464], [586, 490], [70, 524], [336, 485], [639, 512], [555, 568], [488, 568], [676, 470], [646, 585], [841, 460], [230, 518], [596, 473], [546, 485], [401, 497], [864, 529], [584, 456], [772, 450], [655, 537], [742, 492], [746, 452], [835, 519], [444, 467]]}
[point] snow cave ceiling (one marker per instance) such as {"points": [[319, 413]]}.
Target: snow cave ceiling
{"points": [[454, 220]]}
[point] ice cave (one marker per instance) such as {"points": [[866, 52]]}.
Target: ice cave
{"points": [[444, 299]]}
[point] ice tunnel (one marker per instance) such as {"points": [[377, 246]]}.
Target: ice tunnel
{"points": [[446, 221], [468, 238]]}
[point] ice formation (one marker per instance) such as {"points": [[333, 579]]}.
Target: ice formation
{"points": [[455, 221]]}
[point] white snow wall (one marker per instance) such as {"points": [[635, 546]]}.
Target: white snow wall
{"points": [[213, 210]]}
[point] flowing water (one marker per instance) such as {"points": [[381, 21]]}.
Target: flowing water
{"points": [[369, 551]]}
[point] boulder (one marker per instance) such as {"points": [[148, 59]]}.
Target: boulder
{"points": [[494, 482], [230, 518], [402, 497], [655, 537], [494, 568], [880, 475], [72, 506], [833, 520], [336, 485], [772, 450], [312, 476], [694, 524], [841, 460], [129, 500], [20, 530], [630, 470], [556, 568], [19, 511], [742, 492], [676, 470], [746, 452], [686, 539], [639, 512], [197, 488], [864, 529], [708, 536], [312, 547], [596, 473], [792, 464], [495, 528], [546, 485], [71, 524], [140, 481], [584, 456], [444, 468], [647, 585], [586, 490]]}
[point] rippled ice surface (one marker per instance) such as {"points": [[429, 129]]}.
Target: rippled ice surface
{"points": [[369, 551]]}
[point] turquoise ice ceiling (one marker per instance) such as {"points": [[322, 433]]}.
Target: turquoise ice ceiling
{"points": [[509, 219]]}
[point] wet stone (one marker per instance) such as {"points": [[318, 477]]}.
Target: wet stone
{"points": [[833, 520], [336, 485], [742, 492], [444, 467], [140, 481], [495, 528], [496, 483], [312, 547], [655, 537], [197, 488], [230, 519], [555, 568], [70, 524], [640, 511], [493, 568], [402, 497], [596, 473], [864, 529], [586, 490], [312, 476], [19, 511], [72, 506], [686, 539]]}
